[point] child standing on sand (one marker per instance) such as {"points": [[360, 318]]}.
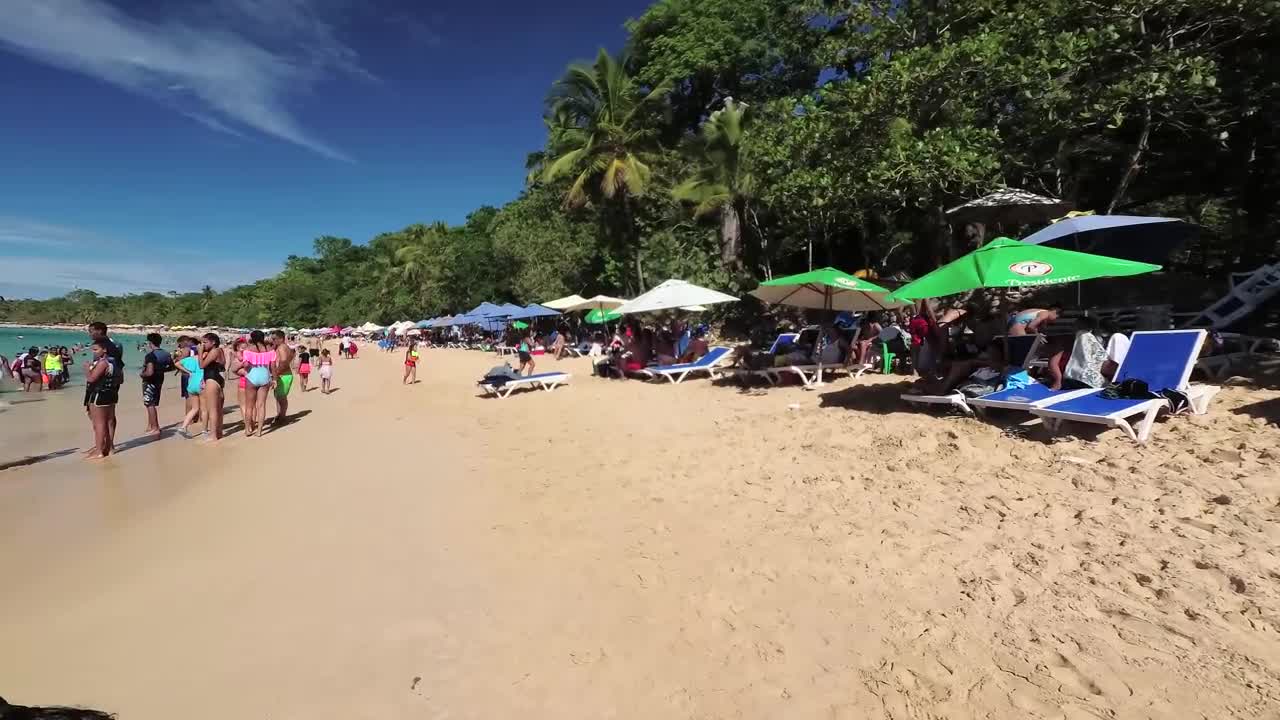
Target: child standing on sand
{"points": [[188, 367], [326, 371], [411, 364]]}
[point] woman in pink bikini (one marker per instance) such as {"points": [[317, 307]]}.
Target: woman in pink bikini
{"points": [[257, 359]]}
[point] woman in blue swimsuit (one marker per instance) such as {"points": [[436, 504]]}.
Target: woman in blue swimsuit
{"points": [[1031, 320]]}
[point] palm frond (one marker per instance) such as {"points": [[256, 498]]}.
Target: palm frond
{"points": [[564, 164]]}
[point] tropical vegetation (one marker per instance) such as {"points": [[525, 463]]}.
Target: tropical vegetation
{"points": [[732, 140]]}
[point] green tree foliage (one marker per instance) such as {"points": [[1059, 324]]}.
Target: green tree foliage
{"points": [[722, 183], [864, 120]]}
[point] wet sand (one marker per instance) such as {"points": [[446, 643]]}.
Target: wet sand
{"points": [[634, 551]]}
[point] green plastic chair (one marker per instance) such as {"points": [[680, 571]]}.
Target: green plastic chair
{"points": [[887, 358]]}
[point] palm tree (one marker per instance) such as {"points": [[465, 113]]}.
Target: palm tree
{"points": [[419, 259], [597, 133], [723, 182]]}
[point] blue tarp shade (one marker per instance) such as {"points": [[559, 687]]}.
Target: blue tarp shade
{"points": [[423, 324], [485, 309], [1128, 237], [533, 311], [486, 322], [510, 310]]}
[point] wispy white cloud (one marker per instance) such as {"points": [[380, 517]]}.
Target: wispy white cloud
{"points": [[20, 233], [227, 63], [40, 260]]}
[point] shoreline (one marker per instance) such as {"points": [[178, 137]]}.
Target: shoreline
{"points": [[132, 329]]}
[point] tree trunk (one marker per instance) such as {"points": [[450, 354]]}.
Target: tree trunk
{"points": [[730, 238], [1135, 160], [809, 237]]}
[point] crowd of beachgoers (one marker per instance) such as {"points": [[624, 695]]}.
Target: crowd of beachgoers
{"points": [[259, 364]]}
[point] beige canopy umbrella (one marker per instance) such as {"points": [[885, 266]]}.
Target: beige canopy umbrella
{"points": [[599, 302], [564, 303], [674, 294]]}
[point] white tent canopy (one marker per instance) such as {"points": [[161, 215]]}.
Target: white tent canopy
{"points": [[674, 294], [370, 327], [564, 303]]}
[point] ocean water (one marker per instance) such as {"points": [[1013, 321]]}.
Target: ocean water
{"points": [[14, 340]]}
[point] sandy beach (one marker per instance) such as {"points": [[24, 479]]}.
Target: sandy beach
{"points": [[629, 550]]}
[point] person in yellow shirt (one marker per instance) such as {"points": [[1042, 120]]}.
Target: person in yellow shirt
{"points": [[411, 364], [53, 368]]}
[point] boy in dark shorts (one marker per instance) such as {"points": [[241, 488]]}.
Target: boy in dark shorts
{"points": [[154, 366]]}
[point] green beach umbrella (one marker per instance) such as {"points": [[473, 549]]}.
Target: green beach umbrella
{"points": [[1007, 263], [826, 289], [599, 315], [520, 325]]}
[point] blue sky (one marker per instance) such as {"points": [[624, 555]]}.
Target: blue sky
{"points": [[169, 144]]}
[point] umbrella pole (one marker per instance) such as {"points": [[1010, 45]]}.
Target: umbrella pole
{"points": [[827, 311]]}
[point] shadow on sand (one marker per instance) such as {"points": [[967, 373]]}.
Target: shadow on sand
{"points": [[878, 398], [274, 425], [35, 459], [1268, 410], [126, 446]]}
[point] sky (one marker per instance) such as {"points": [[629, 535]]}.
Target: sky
{"points": [[169, 144]]}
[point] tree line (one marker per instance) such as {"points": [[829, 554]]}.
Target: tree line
{"points": [[736, 140]]}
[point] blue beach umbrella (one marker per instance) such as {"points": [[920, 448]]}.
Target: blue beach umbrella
{"points": [[1127, 237], [533, 311]]}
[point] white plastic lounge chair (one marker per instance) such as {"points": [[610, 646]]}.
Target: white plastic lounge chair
{"points": [[808, 374], [708, 363], [1161, 358], [744, 374], [547, 381], [783, 339], [1241, 350], [1021, 351]]}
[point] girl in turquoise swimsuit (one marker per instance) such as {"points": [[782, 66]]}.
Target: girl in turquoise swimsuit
{"points": [[193, 380]]}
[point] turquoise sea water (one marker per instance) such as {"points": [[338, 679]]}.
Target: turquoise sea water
{"points": [[14, 340]]}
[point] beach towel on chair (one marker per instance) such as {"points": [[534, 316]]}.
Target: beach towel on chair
{"points": [[499, 375], [983, 382]]}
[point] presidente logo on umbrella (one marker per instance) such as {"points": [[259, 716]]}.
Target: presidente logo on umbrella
{"points": [[1031, 268], [846, 282]]}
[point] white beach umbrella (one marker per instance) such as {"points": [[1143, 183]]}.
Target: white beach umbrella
{"points": [[599, 302], [674, 294], [564, 303]]}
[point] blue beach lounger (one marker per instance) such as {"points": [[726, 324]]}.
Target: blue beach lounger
{"points": [[1163, 359], [547, 381], [1021, 351], [676, 373]]}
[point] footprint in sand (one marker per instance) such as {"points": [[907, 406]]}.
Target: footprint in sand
{"points": [[1065, 671]]}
